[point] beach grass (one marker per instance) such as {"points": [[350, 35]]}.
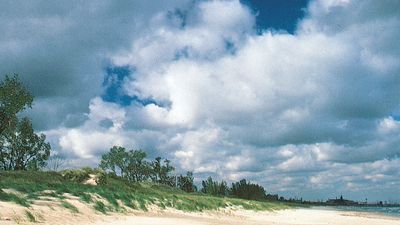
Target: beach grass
{"points": [[10, 197], [69, 206], [115, 194], [30, 216], [100, 206]]}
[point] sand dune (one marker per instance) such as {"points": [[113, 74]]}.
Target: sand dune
{"points": [[48, 213]]}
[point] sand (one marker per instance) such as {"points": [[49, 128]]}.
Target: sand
{"points": [[51, 213], [282, 217]]}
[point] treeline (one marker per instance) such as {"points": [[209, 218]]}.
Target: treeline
{"points": [[241, 189], [133, 166], [22, 149]]}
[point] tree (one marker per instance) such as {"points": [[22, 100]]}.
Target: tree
{"points": [[13, 99], [156, 170], [186, 183], [21, 148], [55, 162], [138, 168], [161, 171], [115, 160], [214, 187], [247, 190], [131, 165]]}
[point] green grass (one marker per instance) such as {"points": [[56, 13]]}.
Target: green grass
{"points": [[69, 206], [30, 216], [9, 197], [116, 193], [100, 206]]}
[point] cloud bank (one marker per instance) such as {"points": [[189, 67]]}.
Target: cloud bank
{"points": [[312, 114]]}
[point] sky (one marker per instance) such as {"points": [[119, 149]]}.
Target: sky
{"points": [[301, 97]]}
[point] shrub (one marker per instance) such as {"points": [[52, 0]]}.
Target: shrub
{"points": [[101, 178], [75, 175]]}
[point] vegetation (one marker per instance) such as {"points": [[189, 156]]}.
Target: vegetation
{"points": [[214, 188], [14, 98], [30, 216], [100, 206], [10, 197], [160, 172], [77, 175], [247, 190], [241, 189], [20, 147], [186, 183], [133, 166], [125, 178], [116, 195], [69, 206]]}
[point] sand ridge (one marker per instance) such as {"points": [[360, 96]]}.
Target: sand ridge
{"points": [[49, 212]]}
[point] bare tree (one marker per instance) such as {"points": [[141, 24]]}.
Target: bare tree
{"points": [[56, 162]]}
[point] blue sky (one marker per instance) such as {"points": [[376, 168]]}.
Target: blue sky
{"points": [[278, 15], [300, 97]]}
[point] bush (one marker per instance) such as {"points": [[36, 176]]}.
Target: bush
{"points": [[78, 176], [101, 178]]}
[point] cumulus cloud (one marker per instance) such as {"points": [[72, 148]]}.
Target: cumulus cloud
{"points": [[327, 92], [303, 113], [60, 49]]}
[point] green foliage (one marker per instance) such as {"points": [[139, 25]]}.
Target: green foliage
{"points": [[186, 183], [129, 164], [100, 206], [138, 168], [85, 197], [9, 197], [78, 175], [160, 172], [214, 188], [247, 190], [23, 149], [115, 160], [101, 177], [20, 147], [13, 99], [133, 166]]}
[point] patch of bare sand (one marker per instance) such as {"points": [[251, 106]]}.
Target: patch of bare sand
{"points": [[91, 180]]}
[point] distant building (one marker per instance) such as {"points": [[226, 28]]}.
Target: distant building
{"points": [[341, 201]]}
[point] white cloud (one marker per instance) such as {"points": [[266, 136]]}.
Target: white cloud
{"points": [[304, 113], [327, 91]]}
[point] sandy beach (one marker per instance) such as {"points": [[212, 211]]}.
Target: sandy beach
{"points": [[11, 214], [283, 217]]}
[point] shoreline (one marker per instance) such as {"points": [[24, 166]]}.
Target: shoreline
{"points": [[362, 210]]}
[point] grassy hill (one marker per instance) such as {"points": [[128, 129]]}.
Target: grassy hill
{"points": [[25, 188]]}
